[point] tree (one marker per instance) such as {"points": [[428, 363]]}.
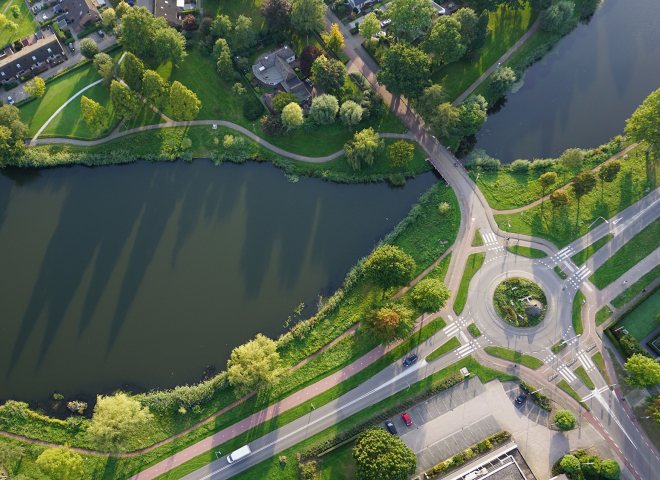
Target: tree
{"points": [[184, 104], [559, 17], [432, 97], [88, 47], [445, 42], [189, 22], [644, 371], [12, 27], [307, 57], [410, 18], [400, 153], [35, 87], [571, 160], [222, 54], [307, 16], [390, 323], [610, 469], [108, 18], [350, 113], [10, 118], [141, 34], [292, 116], [12, 131], [445, 121], [546, 180], [429, 295], [15, 11], [565, 420], [328, 73], [334, 40], [124, 100], [381, 456], [277, 14], [652, 408], [389, 266], [472, 114], [369, 26], [154, 88], [121, 8], [583, 183], [362, 149], [405, 70], [243, 36], [324, 109], [282, 99], [116, 420], [104, 65], [94, 115], [254, 365], [221, 26], [642, 126], [169, 45], [558, 198], [131, 70], [473, 28], [570, 464], [501, 81], [61, 463], [10, 455], [608, 173]]}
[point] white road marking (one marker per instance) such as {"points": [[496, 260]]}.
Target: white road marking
{"points": [[565, 372], [586, 361], [463, 336], [450, 330]]}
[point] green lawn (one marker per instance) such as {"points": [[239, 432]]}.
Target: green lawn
{"points": [[474, 330], [513, 356], [636, 288], [25, 22], [478, 240], [578, 300], [339, 464], [37, 111], [600, 365], [565, 386], [564, 225], [560, 273], [584, 255], [473, 264], [644, 318], [505, 27], [584, 376], [633, 252], [602, 315], [452, 344], [527, 251]]}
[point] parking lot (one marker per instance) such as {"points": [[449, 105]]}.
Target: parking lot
{"points": [[535, 413]]}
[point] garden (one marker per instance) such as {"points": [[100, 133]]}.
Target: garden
{"points": [[520, 302]]}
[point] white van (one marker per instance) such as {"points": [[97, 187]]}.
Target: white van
{"points": [[239, 454]]}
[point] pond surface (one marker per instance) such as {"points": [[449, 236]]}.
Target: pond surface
{"points": [[144, 274], [580, 94]]}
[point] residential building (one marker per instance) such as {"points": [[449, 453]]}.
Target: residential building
{"points": [[78, 13], [35, 58], [274, 69]]}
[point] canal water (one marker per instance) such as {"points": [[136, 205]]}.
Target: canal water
{"points": [[580, 94], [144, 274]]}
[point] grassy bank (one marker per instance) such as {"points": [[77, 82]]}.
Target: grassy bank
{"points": [[513, 356], [567, 223], [602, 315], [451, 344], [528, 252], [473, 264], [578, 301], [636, 288], [642, 320], [584, 255], [629, 255]]}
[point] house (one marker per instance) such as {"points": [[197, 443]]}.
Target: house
{"points": [[44, 53], [171, 10], [274, 69], [358, 5], [78, 13]]}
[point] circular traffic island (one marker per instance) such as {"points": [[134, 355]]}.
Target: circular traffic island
{"points": [[520, 302]]}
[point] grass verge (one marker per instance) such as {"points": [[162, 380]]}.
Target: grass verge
{"points": [[478, 240], [514, 356], [598, 360], [602, 315], [565, 386], [636, 288], [584, 376], [584, 255], [528, 252], [560, 273], [642, 320], [576, 313], [629, 255], [473, 264], [474, 330], [448, 346]]}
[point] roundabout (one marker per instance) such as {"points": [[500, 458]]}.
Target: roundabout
{"points": [[520, 302]]}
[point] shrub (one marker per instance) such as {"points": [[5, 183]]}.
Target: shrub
{"points": [[570, 464], [610, 469], [444, 208], [480, 159], [565, 420], [520, 166], [542, 164]]}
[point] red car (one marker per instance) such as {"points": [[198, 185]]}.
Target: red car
{"points": [[406, 419]]}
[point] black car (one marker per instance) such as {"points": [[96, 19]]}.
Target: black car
{"points": [[390, 427], [520, 400], [410, 360]]}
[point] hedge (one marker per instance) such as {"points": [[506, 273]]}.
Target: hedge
{"points": [[538, 398]]}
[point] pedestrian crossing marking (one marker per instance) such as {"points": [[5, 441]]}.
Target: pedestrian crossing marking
{"points": [[586, 362]]}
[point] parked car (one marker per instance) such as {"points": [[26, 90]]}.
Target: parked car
{"points": [[406, 419], [385, 22], [10, 100], [101, 33], [409, 360], [71, 47], [520, 400], [390, 427]]}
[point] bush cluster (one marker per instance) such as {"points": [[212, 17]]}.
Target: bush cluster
{"points": [[460, 458], [537, 397], [321, 447]]}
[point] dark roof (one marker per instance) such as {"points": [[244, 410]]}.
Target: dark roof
{"points": [[30, 57], [81, 12], [357, 3], [169, 10]]}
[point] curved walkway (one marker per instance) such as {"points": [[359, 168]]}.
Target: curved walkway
{"points": [[195, 123], [623, 152]]}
